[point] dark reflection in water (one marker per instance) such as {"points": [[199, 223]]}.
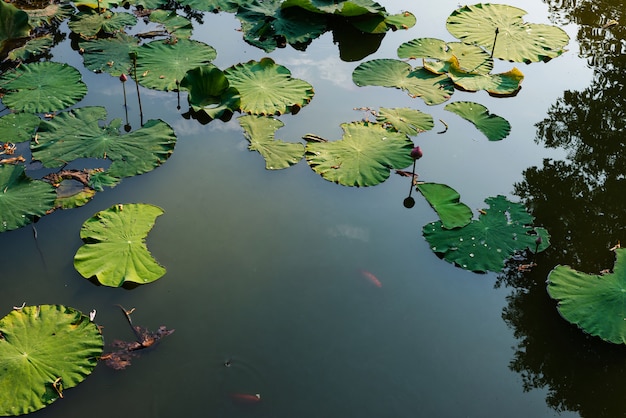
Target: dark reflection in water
{"points": [[580, 200]]}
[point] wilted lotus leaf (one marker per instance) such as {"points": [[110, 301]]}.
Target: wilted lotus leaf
{"points": [[173, 23], [109, 55], [593, 302], [78, 134], [364, 157], [516, 40], [432, 88], [32, 48], [406, 120], [161, 65], [115, 251], [260, 133], [90, 23], [58, 86], [267, 88], [493, 126], [447, 203], [504, 84], [484, 244], [210, 91], [52, 13], [18, 127], [14, 23], [44, 350], [21, 198]]}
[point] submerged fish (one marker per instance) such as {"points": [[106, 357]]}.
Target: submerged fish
{"points": [[245, 397], [373, 279]]}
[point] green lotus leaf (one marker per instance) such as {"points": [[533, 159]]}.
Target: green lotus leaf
{"points": [[98, 180], [424, 48], [516, 40], [173, 23], [214, 5], [267, 88], [115, 250], [432, 88], [18, 127], [210, 91], [100, 5], [78, 134], [259, 130], [21, 198], [363, 157], [52, 13], [484, 244], [447, 203], [161, 65], [493, 126], [593, 302], [90, 23], [408, 121], [438, 55], [110, 55], [71, 194], [13, 23], [346, 8], [32, 48], [148, 4], [405, 20], [381, 23], [503, 84], [44, 350], [42, 87]]}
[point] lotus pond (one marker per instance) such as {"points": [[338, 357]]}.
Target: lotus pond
{"points": [[249, 209]]}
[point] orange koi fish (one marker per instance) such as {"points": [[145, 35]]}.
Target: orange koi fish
{"points": [[373, 279], [245, 397]]}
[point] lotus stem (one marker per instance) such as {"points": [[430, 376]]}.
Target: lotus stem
{"points": [[495, 38], [133, 55]]}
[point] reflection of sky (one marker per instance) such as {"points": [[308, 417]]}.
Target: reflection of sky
{"points": [[308, 68]]}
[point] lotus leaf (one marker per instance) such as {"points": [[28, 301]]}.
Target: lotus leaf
{"points": [[149, 4], [346, 8], [13, 23], [493, 126], [447, 203], [173, 23], [71, 194], [78, 134], [470, 58], [214, 5], [503, 84], [32, 48], [21, 198], [50, 14], [433, 89], [380, 23], [99, 5], [115, 251], [42, 87], [484, 244], [44, 350], [515, 39], [267, 88], [161, 65], [109, 55], [210, 91], [18, 127], [98, 180], [89, 24], [259, 131], [408, 121], [399, 21], [363, 157], [593, 302]]}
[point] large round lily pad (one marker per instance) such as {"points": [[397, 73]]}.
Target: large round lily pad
{"points": [[44, 350]]}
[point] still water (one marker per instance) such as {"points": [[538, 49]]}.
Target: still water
{"points": [[264, 268]]}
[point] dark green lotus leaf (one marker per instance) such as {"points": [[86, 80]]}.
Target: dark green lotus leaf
{"points": [[267, 88], [432, 88], [504, 84], [259, 130], [484, 244], [42, 87], [438, 55], [175, 24], [593, 302], [13, 23], [346, 8], [363, 157], [516, 40], [210, 91], [109, 55], [52, 13], [115, 250], [78, 134], [493, 126], [88, 24], [98, 180], [161, 65], [21, 198], [447, 203], [18, 127], [408, 121], [381, 23], [44, 350], [214, 5], [33, 48]]}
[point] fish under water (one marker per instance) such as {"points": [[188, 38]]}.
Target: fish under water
{"points": [[373, 279]]}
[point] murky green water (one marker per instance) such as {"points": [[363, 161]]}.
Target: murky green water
{"points": [[263, 268]]}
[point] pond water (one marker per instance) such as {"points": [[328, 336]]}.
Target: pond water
{"points": [[264, 267]]}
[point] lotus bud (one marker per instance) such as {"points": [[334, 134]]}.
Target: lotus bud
{"points": [[539, 240], [416, 153], [123, 78]]}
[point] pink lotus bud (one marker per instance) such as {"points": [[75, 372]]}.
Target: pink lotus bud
{"points": [[123, 78], [416, 153]]}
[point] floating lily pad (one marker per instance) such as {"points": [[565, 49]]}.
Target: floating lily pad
{"points": [[363, 157], [504, 84], [259, 131], [214, 5], [516, 40], [18, 127], [406, 120], [13, 23], [42, 87], [100, 5], [173, 23], [346, 8], [44, 350], [210, 91], [484, 244], [90, 23], [593, 302], [267, 88], [33, 48], [115, 251], [52, 13], [21, 198], [493, 126], [447, 203], [439, 55], [110, 55], [381, 23]]}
